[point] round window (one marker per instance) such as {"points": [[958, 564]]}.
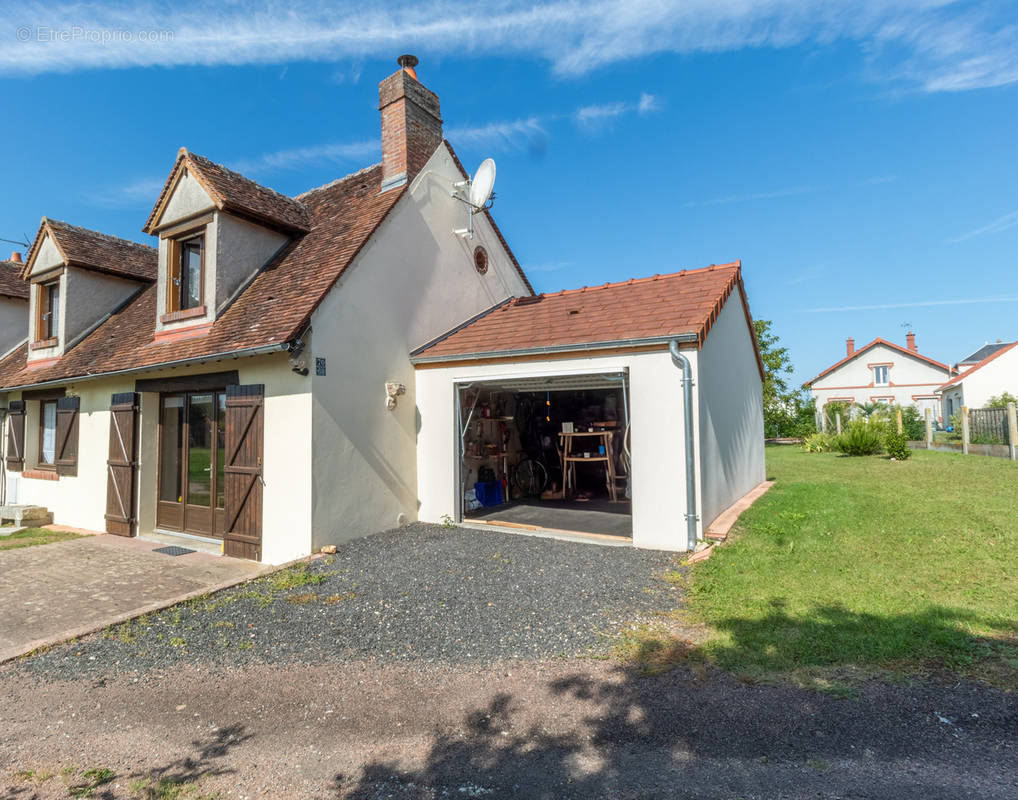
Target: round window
{"points": [[481, 259]]}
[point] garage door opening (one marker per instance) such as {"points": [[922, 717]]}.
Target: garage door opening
{"points": [[547, 453]]}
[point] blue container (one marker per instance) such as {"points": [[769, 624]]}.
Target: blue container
{"points": [[489, 493]]}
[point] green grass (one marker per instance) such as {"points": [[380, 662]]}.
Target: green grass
{"points": [[33, 536], [868, 565]]}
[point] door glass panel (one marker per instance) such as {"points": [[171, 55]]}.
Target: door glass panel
{"points": [[221, 451], [199, 457], [172, 450], [49, 432], [192, 269]]}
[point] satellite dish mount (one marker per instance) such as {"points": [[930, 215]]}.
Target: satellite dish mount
{"points": [[476, 193]]}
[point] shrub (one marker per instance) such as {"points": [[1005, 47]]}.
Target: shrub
{"points": [[818, 443], [1001, 401], [861, 439], [896, 445], [913, 425]]}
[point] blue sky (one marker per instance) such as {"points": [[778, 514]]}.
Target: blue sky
{"points": [[859, 157]]}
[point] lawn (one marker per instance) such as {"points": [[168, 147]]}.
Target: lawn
{"points": [[33, 536], [863, 564]]}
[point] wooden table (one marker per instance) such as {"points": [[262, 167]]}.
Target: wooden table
{"points": [[597, 440]]}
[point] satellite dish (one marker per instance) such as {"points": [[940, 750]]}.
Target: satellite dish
{"points": [[482, 184]]}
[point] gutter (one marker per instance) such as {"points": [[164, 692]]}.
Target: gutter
{"points": [[681, 362], [684, 338], [251, 351]]}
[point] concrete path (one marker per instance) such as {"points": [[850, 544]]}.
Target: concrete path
{"points": [[54, 592]]}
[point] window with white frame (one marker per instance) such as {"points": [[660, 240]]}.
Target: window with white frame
{"points": [[880, 375]]}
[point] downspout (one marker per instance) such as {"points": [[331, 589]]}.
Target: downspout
{"points": [[682, 363]]}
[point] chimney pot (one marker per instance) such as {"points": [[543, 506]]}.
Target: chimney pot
{"points": [[16, 257], [849, 345], [910, 340], [408, 62]]}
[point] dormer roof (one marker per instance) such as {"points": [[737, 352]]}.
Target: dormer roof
{"points": [[232, 192], [81, 247], [11, 282]]}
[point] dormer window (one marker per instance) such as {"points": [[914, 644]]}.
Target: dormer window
{"points": [[47, 305], [187, 274]]}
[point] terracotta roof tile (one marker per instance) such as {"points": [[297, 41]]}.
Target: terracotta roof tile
{"points": [[11, 282], [273, 309], [872, 344], [231, 191], [686, 302], [89, 249]]}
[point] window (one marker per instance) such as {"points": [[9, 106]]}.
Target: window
{"points": [[185, 288], [47, 309], [48, 433], [880, 375]]}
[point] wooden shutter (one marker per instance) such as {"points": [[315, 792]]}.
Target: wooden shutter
{"points": [[245, 427], [16, 435], [122, 466], [67, 435]]}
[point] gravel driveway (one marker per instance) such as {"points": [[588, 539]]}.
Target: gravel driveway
{"points": [[424, 594]]}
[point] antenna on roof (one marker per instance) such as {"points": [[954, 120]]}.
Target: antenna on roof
{"points": [[476, 193], [25, 243], [907, 326]]}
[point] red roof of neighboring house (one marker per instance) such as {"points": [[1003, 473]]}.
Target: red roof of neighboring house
{"points": [[885, 343], [960, 378], [659, 307], [274, 309], [11, 282], [81, 247], [231, 191]]}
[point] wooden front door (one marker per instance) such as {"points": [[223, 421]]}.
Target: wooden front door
{"points": [[122, 465], [245, 425], [192, 433]]}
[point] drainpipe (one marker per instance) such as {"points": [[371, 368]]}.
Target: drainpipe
{"points": [[682, 363]]}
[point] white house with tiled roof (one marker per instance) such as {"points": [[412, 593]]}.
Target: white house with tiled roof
{"points": [[252, 382], [882, 372], [992, 376]]}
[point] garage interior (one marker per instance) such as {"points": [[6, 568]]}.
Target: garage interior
{"points": [[547, 453]]}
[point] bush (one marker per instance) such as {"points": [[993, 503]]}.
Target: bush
{"points": [[913, 425], [818, 443], [896, 445], [861, 439], [1001, 401]]}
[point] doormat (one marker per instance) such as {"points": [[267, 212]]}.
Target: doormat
{"points": [[174, 550]]}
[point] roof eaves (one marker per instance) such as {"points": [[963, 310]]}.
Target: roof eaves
{"points": [[960, 378], [610, 344]]}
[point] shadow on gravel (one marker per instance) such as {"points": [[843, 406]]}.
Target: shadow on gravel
{"points": [[176, 777], [707, 736]]}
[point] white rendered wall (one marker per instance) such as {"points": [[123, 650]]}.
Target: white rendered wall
{"points": [[81, 500], [731, 432], [413, 281], [47, 258], [242, 248], [908, 377], [89, 296], [13, 323], [187, 200], [657, 437], [993, 379]]}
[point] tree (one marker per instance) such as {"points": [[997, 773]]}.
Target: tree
{"points": [[1001, 401], [787, 411]]}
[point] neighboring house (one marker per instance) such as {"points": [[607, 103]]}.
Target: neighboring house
{"points": [[995, 374], [250, 379], [981, 354], [13, 305], [882, 372]]}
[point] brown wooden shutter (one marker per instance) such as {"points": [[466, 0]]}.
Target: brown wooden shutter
{"points": [[245, 432], [122, 466], [16, 435], [67, 435]]}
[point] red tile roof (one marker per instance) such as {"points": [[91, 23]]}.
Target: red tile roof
{"points": [[658, 308], [11, 282], [231, 191], [274, 309], [873, 344], [81, 247], [995, 354]]}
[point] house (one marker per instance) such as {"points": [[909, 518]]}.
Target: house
{"points": [[279, 373], [882, 372], [13, 304], [988, 349], [995, 374]]}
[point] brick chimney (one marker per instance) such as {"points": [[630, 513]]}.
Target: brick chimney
{"points": [[411, 124], [16, 257], [849, 346], [910, 341]]}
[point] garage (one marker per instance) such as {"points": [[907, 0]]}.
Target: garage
{"points": [[630, 413], [547, 452]]}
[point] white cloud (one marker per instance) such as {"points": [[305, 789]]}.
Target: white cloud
{"points": [[143, 191], [997, 226], [589, 116], [515, 134], [745, 198], [295, 158], [648, 104], [918, 304], [935, 45]]}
